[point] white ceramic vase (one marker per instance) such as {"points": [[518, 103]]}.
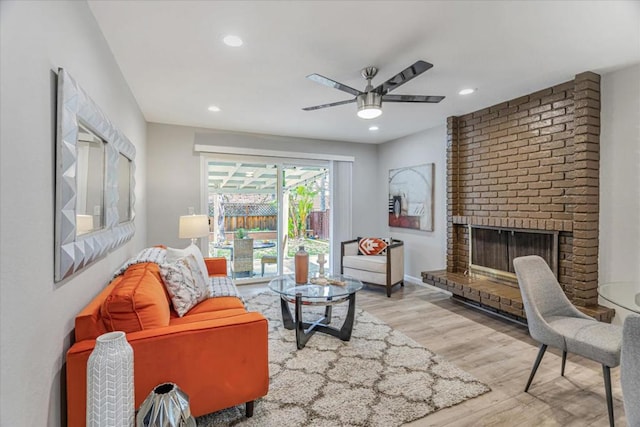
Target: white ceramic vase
{"points": [[110, 398]]}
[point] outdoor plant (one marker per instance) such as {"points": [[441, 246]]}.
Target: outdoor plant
{"points": [[300, 205], [241, 233]]}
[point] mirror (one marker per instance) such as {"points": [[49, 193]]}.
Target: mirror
{"points": [[95, 186], [124, 188], [89, 181]]}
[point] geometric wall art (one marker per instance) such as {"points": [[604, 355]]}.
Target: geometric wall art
{"points": [[411, 197]]}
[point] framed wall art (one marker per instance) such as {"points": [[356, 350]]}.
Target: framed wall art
{"points": [[411, 197]]}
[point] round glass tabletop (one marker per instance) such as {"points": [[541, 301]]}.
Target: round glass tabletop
{"points": [[623, 294], [332, 287]]}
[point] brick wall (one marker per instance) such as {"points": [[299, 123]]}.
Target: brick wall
{"points": [[532, 163]]}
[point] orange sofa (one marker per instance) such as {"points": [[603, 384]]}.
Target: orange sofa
{"points": [[217, 352]]}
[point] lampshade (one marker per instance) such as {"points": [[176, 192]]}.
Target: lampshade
{"points": [[193, 226], [369, 105], [84, 223]]}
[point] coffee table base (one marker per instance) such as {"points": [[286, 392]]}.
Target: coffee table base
{"points": [[305, 330]]}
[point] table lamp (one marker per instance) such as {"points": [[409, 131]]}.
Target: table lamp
{"points": [[193, 227]]}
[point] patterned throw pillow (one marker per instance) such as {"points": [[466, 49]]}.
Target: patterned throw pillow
{"points": [[174, 254], [373, 245], [185, 283]]}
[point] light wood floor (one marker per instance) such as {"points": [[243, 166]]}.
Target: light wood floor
{"points": [[498, 353]]}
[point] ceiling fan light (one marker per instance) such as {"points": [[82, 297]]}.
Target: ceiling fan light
{"points": [[369, 105], [369, 113]]}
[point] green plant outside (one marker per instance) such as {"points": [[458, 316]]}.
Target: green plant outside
{"points": [[300, 205], [240, 233]]}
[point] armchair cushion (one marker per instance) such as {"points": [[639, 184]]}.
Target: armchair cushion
{"points": [[137, 301], [376, 264], [373, 245]]}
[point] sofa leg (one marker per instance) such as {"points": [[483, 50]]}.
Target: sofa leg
{"points": [[402, 283], [388, 291], [249, 409]]}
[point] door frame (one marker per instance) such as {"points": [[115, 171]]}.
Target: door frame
{"points": [[280, 160]]}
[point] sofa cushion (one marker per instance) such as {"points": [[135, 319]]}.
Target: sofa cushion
{"points": [[185, 283], [206, 315], [216, 304], [89, 324], [174, 255], [372, 245], [376, 264], [137, 301]]}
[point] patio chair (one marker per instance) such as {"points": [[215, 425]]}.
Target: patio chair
{"points": [[242, 257]]}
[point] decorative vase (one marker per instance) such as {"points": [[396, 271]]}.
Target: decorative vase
{"points": [[302, 266], [110, 382], [321, 262], [166, 406]]}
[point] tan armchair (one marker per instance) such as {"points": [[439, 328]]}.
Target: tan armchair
{"points": [[384, 270]]}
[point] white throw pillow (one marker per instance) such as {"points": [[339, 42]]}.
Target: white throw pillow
{"points": [[174, 254], [185, 283]]}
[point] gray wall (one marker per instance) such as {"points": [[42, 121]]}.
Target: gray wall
{"points": [[619, 247], [36, 314], [423, 250], [174, 174]]}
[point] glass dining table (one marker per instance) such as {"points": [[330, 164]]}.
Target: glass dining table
{"points": [[622, 294]]}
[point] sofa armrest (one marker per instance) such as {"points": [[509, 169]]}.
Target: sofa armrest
{"points": [[216, 266], [219, 363]]}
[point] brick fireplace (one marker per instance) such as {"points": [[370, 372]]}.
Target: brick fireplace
{"points": [[531, 163]]}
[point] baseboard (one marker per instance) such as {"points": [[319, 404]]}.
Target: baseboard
{"points": [[419, 282]]}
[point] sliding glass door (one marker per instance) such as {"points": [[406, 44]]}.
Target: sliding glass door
{"points": [[261, 210]]}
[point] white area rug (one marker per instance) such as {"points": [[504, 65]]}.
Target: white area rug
{"points": [[379, 378]]}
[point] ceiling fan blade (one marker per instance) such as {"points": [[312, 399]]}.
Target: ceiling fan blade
{"points": [[333, 104], [403, 76], [332, 83], [412, 98]]}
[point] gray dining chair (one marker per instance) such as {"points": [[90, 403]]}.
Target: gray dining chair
{"points": [[630, 369], [554, 321]]}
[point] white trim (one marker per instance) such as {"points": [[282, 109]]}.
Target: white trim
{"points": [[203, 148], [204, 208]]}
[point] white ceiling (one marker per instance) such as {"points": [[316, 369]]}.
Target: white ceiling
{"points": [[171, 54]]}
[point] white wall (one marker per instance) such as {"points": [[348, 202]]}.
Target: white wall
{"points": [[619, 249], [423, 251], [174, 174], [36, 314]]}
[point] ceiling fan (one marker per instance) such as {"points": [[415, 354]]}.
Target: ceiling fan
{"points": [[370, 101]]}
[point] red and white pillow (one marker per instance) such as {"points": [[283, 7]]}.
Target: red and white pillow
{"points": [[373, 245]]}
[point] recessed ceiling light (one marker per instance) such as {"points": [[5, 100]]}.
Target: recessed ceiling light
{"points": [[214, 108], [233, 41], [466, 91], [372, 128]]}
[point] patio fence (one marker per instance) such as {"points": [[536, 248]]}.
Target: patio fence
{"points": [[252, 216]]}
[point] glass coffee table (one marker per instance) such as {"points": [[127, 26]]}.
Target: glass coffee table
{"points": [[337, 289]]}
